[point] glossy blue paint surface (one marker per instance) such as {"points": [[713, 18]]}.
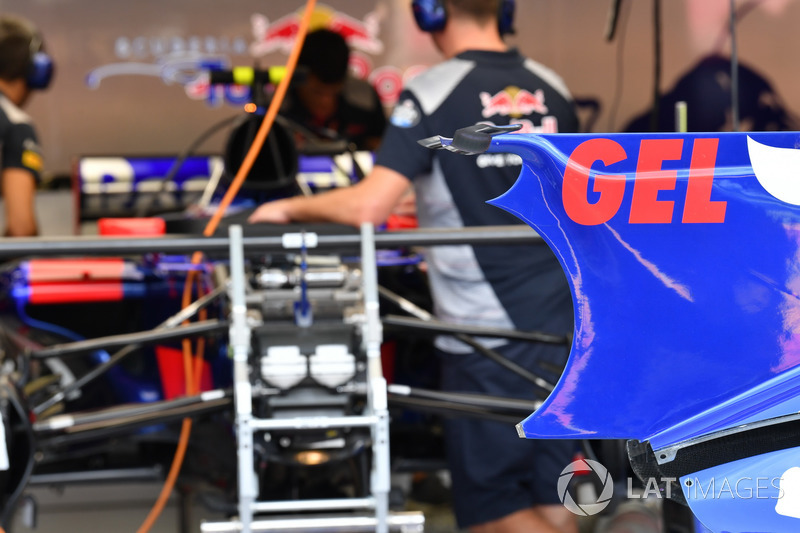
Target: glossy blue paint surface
{"points": [[754, 495], [681, 328]]}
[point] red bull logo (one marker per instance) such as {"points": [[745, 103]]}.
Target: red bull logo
{"points": [[361, 36], [280, 35], [513, 102]]}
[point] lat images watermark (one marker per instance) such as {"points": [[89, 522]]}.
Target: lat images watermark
{"points": [[592, 492], [744, 488], [586, 507]]}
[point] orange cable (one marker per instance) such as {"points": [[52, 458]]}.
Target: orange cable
{"points": [[201, 346], [266, 125], [192, 378]]}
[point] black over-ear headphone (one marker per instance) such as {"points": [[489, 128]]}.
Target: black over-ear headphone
{"points": [[40, 68], [432, 16], [38, 64]]}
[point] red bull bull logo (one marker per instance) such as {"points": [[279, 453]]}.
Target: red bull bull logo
{"points": [[513, 102], [361, 35], [280, 35]]}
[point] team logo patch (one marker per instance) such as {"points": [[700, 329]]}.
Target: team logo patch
{"points": [[513, 102], [32, 160], [405, 114]]}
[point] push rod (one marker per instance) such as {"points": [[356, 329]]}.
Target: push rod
{"points": [[185, 244], [204, 327]]}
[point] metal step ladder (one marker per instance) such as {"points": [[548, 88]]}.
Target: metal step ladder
{"points": [[342, 514]]}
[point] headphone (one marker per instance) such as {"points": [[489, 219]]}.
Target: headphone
{"points": [[40, 68], [431, 15]]}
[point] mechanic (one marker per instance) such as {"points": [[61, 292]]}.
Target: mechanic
{"points": [[24, 67], [331, 104], [500, 482]]}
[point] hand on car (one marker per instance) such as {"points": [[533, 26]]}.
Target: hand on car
{"points": [[276, 212]]}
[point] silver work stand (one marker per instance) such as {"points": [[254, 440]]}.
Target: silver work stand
{"points": [[368, 514]]}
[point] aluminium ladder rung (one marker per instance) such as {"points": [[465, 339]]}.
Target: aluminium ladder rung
{"points": [[313, 422], [333, 504], [404, 522]]}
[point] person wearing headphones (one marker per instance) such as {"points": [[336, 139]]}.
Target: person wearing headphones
{"points": [[24, 67], [501, 483], [330, 103]]}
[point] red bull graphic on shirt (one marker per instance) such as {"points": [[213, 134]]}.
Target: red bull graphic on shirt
{"points": [[515, 103]]}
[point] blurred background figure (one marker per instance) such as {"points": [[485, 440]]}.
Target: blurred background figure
{"points": [[330, 104], [24, 67], [706, 89]]}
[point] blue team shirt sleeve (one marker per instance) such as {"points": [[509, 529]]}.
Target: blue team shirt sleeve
{"points": [[399, 149], [21, 150]]}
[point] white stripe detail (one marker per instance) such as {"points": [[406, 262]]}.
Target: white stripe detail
{"points": [[461, 292], [436, 84], [14, 114], [549, 76]]}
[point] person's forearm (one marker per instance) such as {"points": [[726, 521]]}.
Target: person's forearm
{"points": [[370, 200], [26, 228], [339, 206], [19, 190]]}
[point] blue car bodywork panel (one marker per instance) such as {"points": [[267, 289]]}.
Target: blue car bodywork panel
{"points": [[684, 274], [682, 252]]}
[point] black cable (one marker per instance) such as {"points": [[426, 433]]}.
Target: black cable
{"points": [[11, 503], [613, 18], [183, 156], [734, 70], [619, 83], [654, 116]]}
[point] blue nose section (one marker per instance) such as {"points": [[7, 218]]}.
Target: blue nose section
{"points": [[683, 256]]}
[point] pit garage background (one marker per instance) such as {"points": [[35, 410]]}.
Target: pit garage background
{"points": [[129, 74]]}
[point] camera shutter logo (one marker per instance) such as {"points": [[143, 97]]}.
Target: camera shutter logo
{"points": [[585, 508]]}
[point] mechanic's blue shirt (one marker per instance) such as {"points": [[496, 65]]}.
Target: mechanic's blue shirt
{"points": [[500, 286]]}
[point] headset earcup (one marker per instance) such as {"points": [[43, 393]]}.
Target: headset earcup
{"points": [[429, 14], [505, 18], [41, 71]]}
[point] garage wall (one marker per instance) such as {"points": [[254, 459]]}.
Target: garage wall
{"points": [[127, 71]]}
